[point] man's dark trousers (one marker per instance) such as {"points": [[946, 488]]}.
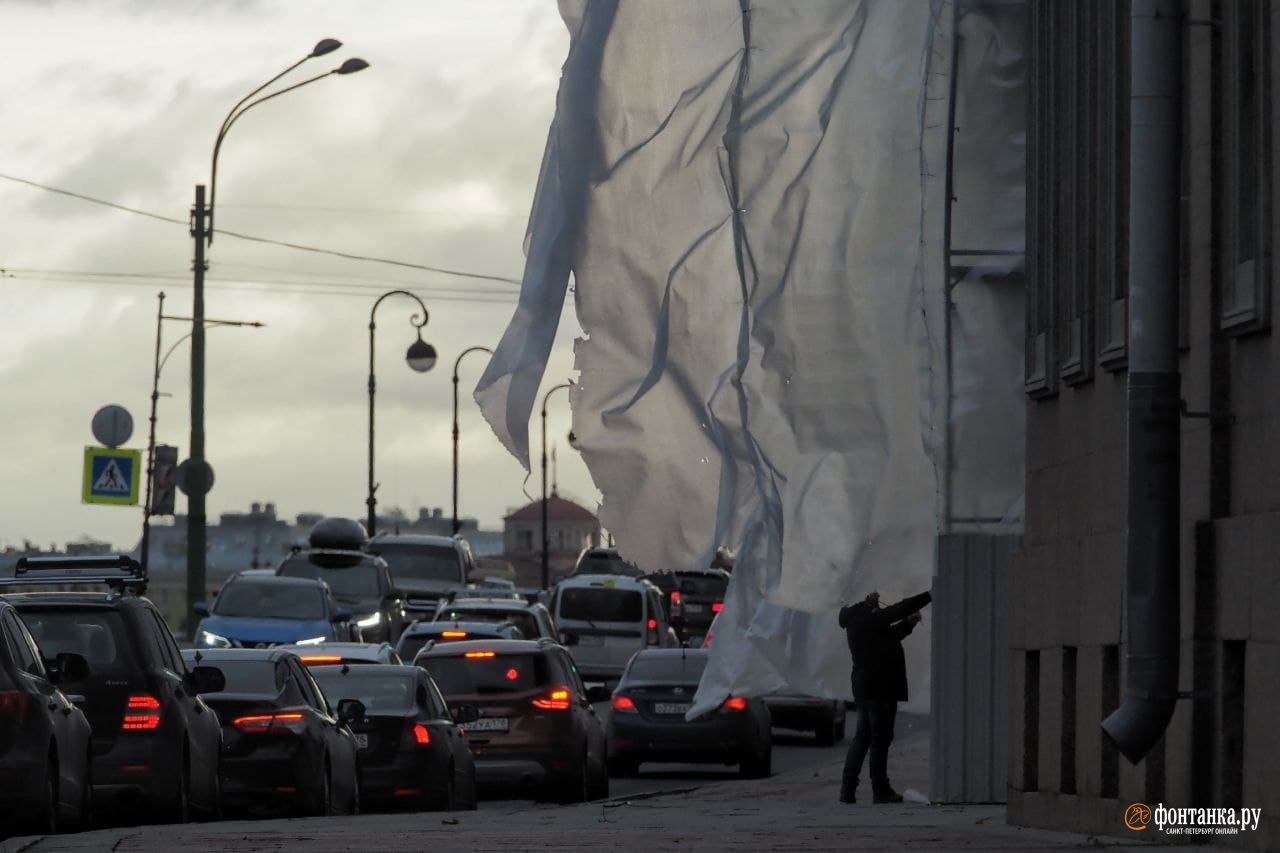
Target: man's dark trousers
{"points": [[874, 733]]}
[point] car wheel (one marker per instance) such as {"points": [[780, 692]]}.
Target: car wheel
{"points": [[85, 818], [621, 767], [355, 798], [48, 822], [826, 731], [600, 789], [325, 804], [182, 806], [574, 789], [757, 766]]}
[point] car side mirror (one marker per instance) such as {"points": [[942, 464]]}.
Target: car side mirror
{"points": [[341, 615], [598, 693], [200, 608], [206, 679], [465, 713], [350, 710], [568, 638], [68, 666]]}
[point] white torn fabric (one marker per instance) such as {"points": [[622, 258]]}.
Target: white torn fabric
{"points": [[750, 195]]}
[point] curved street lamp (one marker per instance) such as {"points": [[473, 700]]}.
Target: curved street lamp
{"points": [[546, 566], [421, 357], [456, 524], [202, 233]]}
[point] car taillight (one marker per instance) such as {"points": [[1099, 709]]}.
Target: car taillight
{"points": [[321, 660], [270, 723], [13, 705], [717, 606], [653, 624], [675, 596], [557, 699], [734, 703], [421, 735], [624, 704], [142, 714]]}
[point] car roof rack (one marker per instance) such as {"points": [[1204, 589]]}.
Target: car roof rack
{"points": [[118, 571]]}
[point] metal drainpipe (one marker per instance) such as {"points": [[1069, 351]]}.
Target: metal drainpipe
{"points": [[1151, 687]]}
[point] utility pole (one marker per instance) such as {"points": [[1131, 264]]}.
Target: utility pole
{"points": [[195, 491]]}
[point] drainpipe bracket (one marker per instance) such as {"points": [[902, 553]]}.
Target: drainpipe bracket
{"points": [[1217, 420]]}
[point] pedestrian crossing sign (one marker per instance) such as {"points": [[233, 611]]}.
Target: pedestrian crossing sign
{"points": [[111, 476]]}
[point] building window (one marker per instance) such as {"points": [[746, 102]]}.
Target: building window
{"points": [[1112, 246], [1245, 164], [524, 540]]}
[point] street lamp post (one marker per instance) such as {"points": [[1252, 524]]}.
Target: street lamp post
{"points": [[145, 548], [202, 233], [421, 356], [546, 566], [456, 523]]}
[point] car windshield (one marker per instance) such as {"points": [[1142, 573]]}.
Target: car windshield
{"points": [[600, 604], [457, 675], [379, 692], [97, 635], [354, 583], [270, 601], [251, 676], [605, 563], [522, 619], [667, 669], [422, 562]]}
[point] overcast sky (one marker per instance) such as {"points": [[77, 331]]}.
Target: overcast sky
{"points": [[430, 157]]}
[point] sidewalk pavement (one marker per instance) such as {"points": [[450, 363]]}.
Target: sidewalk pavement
{"points": [[792, 811]]}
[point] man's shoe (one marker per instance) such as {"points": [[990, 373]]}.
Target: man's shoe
{"points": [[886, 795], [847, 795]]}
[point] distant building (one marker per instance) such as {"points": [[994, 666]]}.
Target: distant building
{"points": [[570, 528]]}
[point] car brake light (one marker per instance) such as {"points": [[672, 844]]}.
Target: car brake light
{"points": [[312, 660], [142, 714], [478, 654], [421, 736], [264, 723], [624, 704], [653, 624], [13, 704], [734, 703], [453, 635], [675, 596], [717, 606], [555, 700]]}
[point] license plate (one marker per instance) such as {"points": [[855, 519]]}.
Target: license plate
{"points": [[487, 724], [591, 640], [362, 741], [671, 707], [693, 608]]}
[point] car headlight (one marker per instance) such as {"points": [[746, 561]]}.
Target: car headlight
{"points": [[210, 640], [313, 641], [371, 621]]}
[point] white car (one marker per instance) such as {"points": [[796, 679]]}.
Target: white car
{"points": [[605, 619]]}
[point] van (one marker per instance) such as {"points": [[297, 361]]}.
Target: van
{"points": [[605, 619]]}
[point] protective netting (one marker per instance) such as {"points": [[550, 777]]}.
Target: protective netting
{"points": [[751, 199]]}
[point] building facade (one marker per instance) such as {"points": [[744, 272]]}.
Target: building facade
{"points": [[1067, 618], [570, 528]]}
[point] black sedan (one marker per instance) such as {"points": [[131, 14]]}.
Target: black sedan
{"points": [[284, 748], [647, 718], [412, 752], [44, 739]]}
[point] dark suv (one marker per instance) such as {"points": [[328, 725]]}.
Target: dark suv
{"points": [[426, 568], [155, 743], [692, 598], [537, 728], [359, 580]]}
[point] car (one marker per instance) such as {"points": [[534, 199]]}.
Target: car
{"points": [[426, 568], [533, 620], [285, 747], [605, 619], [536, 728], [647, 718], [419, 634], [261, 611], [360, 581], [692, 597], [824, 717], [413, 753], [604, 561], [325, 654], [44, 738], [156, 744]]}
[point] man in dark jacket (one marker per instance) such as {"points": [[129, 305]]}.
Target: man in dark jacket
{"points": [[875, 635]]}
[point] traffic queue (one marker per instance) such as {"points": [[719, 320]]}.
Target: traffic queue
{"points": [[307, 691]]}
